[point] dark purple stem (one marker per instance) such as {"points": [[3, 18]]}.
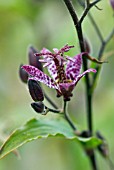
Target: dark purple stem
{"points": [[78, 28], [87, 9], [101, 51]]}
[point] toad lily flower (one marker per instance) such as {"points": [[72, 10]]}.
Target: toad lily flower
{"points": [[64, 70]]}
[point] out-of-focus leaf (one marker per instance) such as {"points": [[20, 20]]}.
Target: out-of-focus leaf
{"points": [[44, 128]]}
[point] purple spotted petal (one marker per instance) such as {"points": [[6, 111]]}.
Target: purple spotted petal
{"points": [[66, 48], [73, 66], [50, 64], [83, 74], [44, 51], [55, 50], [39, 76], [52, 70]]}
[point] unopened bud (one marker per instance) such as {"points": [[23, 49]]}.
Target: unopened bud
{"points": [[23, 74], [39, 107], [87, 46], [85, 134], [34, 60], [112, 4], [103, 148], [35, 90]]}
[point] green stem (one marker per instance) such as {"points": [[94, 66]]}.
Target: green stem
{"points": [[67, 116]]}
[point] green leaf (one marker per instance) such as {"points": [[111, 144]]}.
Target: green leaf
{"points": [[43, 128]]}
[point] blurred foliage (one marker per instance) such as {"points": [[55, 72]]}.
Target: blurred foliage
{"points": [[48, 23]]}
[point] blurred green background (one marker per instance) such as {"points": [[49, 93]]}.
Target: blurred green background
{"points": [[48, 24]]}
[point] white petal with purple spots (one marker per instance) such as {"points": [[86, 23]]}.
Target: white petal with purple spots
{"points": [[83, 74], [73, 67], [39, 76]]}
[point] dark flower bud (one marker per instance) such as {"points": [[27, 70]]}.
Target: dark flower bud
{"points": [[112, 4], [23, 74], [35, 90], [103, 148], [85, 134], [87, 46], [39, 107], [34, 60]]}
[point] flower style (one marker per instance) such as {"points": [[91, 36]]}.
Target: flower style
{"points": [[64, 70]]}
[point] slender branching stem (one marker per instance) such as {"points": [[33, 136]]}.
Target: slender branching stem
{"points": [[72, 11], [98, 32], [85, 12], [101, 51], [54, 111], [88, 85], [93, 23], [78, 27], [87, 9], [82, 48], [95, 2], [87, 2], [103, 42], [67, 116], [103, 45], [50, 101]]}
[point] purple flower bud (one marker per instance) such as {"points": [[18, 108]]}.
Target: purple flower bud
{"points": [[39, 107], [112, 4], [87, 46], [35, 90], [34, 60], [23, 74]]}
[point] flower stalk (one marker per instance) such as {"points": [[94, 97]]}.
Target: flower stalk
{"points": [[67, 116]]}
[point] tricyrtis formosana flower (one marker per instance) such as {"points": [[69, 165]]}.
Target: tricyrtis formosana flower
{"points": [[64, 70]]}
